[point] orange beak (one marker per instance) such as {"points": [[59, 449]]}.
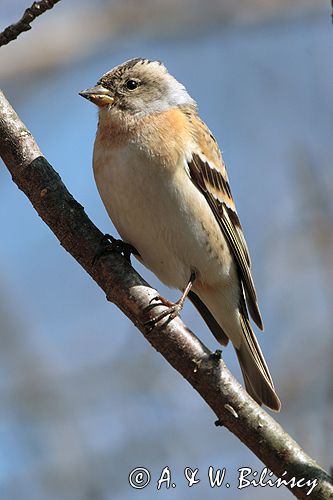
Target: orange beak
{"points": [[99, 95]]}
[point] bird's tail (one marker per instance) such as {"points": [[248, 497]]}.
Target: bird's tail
{"points": [[258, 380]]}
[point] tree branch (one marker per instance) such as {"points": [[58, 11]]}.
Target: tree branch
{"points": [[123, 286], [30, 14]]}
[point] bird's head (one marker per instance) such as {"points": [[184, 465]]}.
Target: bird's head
{"points": [[138, 87]]}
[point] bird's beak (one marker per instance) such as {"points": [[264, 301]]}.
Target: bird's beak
{"points": [[99, 95]]}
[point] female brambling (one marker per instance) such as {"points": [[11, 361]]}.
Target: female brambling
{"points": [[163, 182]]}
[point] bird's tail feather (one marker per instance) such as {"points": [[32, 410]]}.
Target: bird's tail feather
{"points": [[258, 381]]}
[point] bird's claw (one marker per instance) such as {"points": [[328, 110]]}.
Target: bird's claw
{"points": [[109, 244], [173, 308], [172, 311], [162, 300], [217, 355]]}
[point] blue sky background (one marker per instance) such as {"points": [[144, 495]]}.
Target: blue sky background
{"points": [[76, 414]]}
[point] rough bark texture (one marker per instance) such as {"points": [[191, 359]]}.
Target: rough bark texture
{"points": [[30, 14], [123, 286]]}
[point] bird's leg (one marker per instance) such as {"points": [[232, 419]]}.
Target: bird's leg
{"points": [[110, 244], [173, 308]]}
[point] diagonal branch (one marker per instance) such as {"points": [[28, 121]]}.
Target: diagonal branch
{"points": [[30, 14], [181, 348]]}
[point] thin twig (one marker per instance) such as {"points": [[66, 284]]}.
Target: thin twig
{"points": [[181, 348], [14, 30]]}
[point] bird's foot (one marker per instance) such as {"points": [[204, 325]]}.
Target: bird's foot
{"points": [[109, 244], [173, 310], [217, 355]]}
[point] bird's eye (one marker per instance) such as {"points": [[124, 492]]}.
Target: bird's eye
{"points": [[131, 84]]}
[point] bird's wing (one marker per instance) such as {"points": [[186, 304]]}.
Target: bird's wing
{"points": [[208, 173]]}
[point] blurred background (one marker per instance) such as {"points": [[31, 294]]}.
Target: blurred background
{"points": [[77, 414]]}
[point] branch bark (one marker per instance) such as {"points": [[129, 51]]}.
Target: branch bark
{"points": [[124, 287], [14, 30]]}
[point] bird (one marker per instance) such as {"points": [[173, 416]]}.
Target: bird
{"points": [[161, 176]]}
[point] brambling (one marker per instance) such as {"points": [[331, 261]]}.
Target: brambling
{"points": [[163, 182]]}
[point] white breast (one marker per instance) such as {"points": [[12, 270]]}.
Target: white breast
{"points": [[163, 215]]}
